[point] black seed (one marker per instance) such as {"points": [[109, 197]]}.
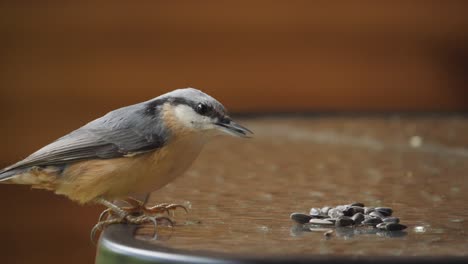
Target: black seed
{"points": [[300, 218], [358, 209], [344, 221], [367, 216], [335, 213], [385, 211], [358, 218], [314, 212], [343, 216], [391, 226], [348, 211], [391, 219], [377, 214], [372, 221], [320, 222], [368, 210], [395, 227]]}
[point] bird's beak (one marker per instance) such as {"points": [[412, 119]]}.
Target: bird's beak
{"points": [[232, 128]]}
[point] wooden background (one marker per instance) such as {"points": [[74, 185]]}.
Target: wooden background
{"points": [[64, 64]]}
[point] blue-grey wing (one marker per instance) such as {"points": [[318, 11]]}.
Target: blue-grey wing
{"points": [[123, 132], [89, 144]]}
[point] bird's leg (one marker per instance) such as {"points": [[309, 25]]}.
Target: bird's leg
{"points": [[111, 207], [137, 207], [152, 210], [123, 216], [134, 208], [161, 208]]}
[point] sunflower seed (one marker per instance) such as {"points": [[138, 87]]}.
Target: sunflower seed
{"points": [[368, 210], [385, 211], [391, 219], [343, 216], [348, 211], [344, 221], [395, 227], [358, 218], [391, 226], [300, 218], [377, 214], [358, 209]]}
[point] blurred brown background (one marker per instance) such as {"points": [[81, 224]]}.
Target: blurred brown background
{"points": [[63, 64]]}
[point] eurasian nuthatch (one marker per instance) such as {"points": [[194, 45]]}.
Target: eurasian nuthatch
{"points": [[131, 150]]}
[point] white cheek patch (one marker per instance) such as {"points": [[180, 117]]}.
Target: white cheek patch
{"points": [[185, 115], [190, 119]]}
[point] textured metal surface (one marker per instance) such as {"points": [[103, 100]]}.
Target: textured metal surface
{"points": [[117, 245]]}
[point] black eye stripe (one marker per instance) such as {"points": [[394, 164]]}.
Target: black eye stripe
{"points": [[210, 111]]}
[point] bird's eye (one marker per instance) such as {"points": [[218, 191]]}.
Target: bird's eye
{"points": [[202, 109]]}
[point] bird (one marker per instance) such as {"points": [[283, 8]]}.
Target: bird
{"points": [[130, 151]]}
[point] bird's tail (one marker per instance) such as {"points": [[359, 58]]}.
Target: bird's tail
{"points": [[29, 175], [6, 176]]}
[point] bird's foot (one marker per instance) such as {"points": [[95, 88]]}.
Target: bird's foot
{"points": [[136, 213], [138, 208], [130, 219], [156, 209]]}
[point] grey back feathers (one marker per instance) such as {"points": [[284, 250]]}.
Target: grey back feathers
{"points": [[126, 131]]}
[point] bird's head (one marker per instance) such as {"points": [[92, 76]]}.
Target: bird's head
{"points": [[193, 110]]}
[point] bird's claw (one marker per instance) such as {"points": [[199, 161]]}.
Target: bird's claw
{"points": [[163, 208], [136, 213], [129, 219], [104, 215], [138, 208], [100, 225]]}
